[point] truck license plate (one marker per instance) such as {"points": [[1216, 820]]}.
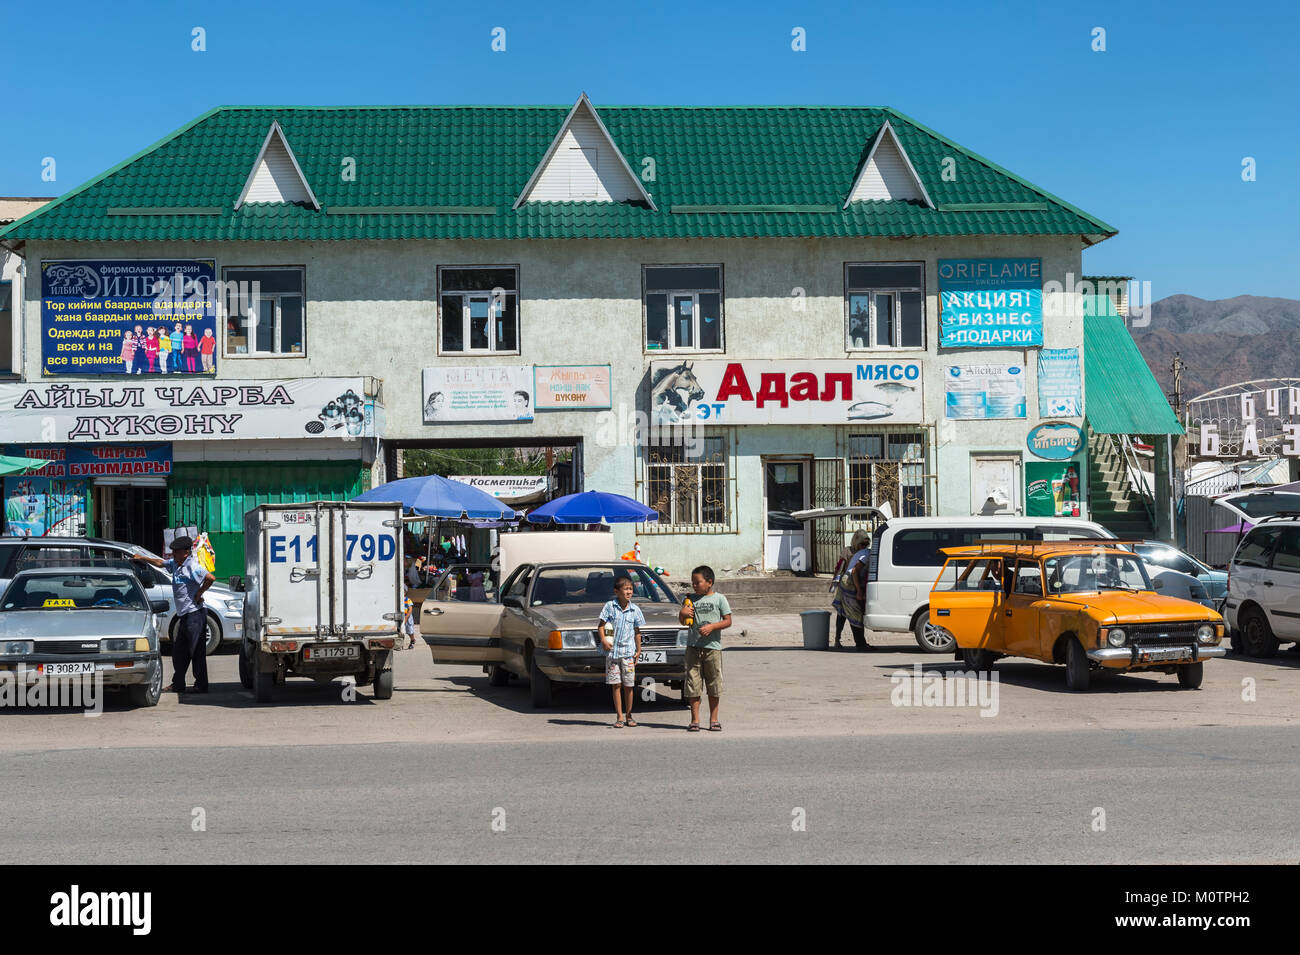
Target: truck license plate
{"points": [[1168, 653], [65, 669], [652, 656], [330, 653]]}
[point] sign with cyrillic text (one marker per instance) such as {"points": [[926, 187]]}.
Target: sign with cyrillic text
{"points": [[990, 303], [784, 392]]}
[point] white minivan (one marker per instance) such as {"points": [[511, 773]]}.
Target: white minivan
{"points": [[905, 561], [1263, 603]]}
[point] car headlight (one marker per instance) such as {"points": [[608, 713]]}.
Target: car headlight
{"points": [[1206, 633], [1116, 637], [681, 637], [15, 648], [577, 639], [119, 645]]}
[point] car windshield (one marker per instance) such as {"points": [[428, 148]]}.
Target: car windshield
{"points": [[1258, 506], [1089, 573], [595, 585], [1164, 556], [74, 592]]}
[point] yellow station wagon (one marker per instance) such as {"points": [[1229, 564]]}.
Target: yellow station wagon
{"points": [[1087, 604]]}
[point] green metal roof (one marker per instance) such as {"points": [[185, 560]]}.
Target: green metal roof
{"points": [[454, 172], [1121, 396]]}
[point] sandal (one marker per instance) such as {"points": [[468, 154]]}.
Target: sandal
{"points": [[618, 725], [693, 728], [631, 722], [715, 727]]}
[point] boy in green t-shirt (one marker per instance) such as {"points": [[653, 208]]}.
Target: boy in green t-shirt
{"points": [[708, 616]]}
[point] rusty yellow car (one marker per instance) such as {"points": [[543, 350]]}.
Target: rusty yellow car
{"points": [[1087, 604]]}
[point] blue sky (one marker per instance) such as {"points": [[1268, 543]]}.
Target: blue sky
{"points": [[1149, 135]]}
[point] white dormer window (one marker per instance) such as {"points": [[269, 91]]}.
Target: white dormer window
{"points": [[888, 174], [276, 175]]}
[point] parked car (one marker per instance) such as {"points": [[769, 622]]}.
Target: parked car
{"points": [[1158, 554], [82, 621], [1263, 602], [225, 607], [542, 625], [905, 559], [1088, 605]]}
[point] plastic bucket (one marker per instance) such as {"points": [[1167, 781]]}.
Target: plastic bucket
{"points": [[816, 629]]}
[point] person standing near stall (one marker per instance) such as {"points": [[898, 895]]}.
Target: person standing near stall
{"points": [[850, 590]]}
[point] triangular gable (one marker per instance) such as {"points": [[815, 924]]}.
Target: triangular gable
{"points": [[276, 175], [583, 165], [888, 174]]}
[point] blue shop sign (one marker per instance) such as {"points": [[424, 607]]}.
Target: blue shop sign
{"points": [[1055, 440], [990, 303]]}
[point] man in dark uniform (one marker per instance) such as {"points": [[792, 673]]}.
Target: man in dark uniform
{"points": [[190, 641]]}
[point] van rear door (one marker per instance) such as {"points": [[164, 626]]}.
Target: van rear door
{"points": [[366, 571], [293, 564]]}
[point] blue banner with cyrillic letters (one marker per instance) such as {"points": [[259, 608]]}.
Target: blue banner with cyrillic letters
{"points": [[990, 303]]}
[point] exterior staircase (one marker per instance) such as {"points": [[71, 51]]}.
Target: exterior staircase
{"points": [[1112, 501], [773, 593]]}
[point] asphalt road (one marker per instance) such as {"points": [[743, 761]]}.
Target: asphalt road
{"points": [[1207, 795]]}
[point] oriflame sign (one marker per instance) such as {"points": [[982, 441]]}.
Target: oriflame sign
{"points": [[784, 392], [990, 303]]}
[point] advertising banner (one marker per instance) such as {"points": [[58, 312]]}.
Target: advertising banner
{"points": [[1052, 489], [129, 317], [101, 460], [785, 392], [990, 303], [38, 506], [1060, 385], [572, 386], [984, 391], [505, 487], [478, 393], [190, 411]]}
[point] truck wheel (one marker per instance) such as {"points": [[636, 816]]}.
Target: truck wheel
{"points": [[498, 675], [147, 694], [540, 685], [1077, 676], [214, 633], [383, 684], [1189, 675], [245, 667], [930, 638], [262, 682], [979, 660], [1257, 638]]}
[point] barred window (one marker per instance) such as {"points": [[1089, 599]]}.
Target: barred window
{"points": [[687, 482], [888, 468]]}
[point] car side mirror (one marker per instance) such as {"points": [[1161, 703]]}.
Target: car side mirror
{"points": [[237, 584], [158, 606], [512, 602], [1158, 584]]}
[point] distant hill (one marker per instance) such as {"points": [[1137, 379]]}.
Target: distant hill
{"points": [[1221, 342]]}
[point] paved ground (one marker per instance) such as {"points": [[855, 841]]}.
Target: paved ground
{"points": [[1182, 775]]}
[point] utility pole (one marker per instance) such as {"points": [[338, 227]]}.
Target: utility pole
{"points": [[1177, 368]]}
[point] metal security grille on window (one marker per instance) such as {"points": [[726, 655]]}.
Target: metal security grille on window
{"points": [[689, 490], [480, 309], [265, 311], [683, 308], [886, 306], [889, 468]]}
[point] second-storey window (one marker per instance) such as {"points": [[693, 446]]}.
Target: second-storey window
{"points": [[480, 309], [885, 305], [683, 307], [265, 311]]}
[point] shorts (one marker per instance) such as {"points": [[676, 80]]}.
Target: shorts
{"points": [[703, 669], [620, 670]]}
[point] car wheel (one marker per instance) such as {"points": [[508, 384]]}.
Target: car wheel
{"points": [[540, 685], [1077, 675], [214, 634], [383, 684], [930, 638], [980, 660], [1190, 674], [148, 694], [245, 667], [1257, 638], [498, 675], [262, 682]]}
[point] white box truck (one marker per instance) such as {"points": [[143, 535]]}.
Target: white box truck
{"points": [[324, 594]]}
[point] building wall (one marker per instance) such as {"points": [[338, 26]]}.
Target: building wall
{"points": [[372, 311]]}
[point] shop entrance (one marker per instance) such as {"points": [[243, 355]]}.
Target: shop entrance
{"points": [[131, 513], [785, 487]]}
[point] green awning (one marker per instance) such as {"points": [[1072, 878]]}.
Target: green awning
{"points": [[1121, 396], [13, 465]]}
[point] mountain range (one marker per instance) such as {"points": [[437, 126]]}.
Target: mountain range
{"points": [[1221, 342]]}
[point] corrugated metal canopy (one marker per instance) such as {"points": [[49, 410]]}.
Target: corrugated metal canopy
{"points": [[1121, 395]]}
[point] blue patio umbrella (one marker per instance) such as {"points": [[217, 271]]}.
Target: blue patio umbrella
{"points": [[593, 507], [437, 496]]}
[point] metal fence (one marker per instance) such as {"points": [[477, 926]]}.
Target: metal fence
{"points": [[1201, 518]]}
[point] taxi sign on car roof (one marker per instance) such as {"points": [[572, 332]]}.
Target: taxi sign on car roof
{"points": [[59, 602]]}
